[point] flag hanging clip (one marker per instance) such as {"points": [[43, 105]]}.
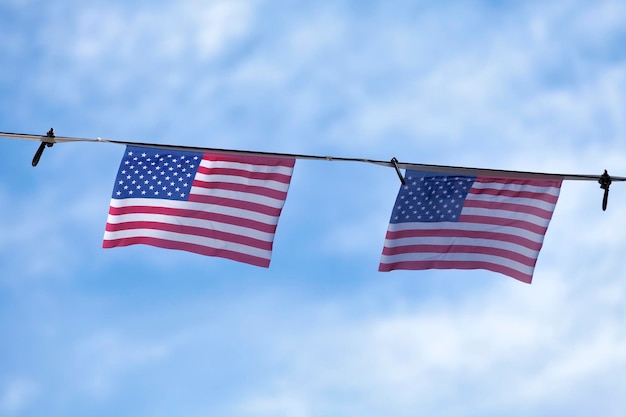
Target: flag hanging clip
{"points": [[605, 183], [394, 161], [47, 141]]}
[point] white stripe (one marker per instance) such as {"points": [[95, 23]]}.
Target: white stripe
{"points": [[235, 179], [185, 205], [554, 191], [398, 227], [248, 167], [181, 237], [505, 214], [513, 200], [446, 241], [464, 257], [240, 196], [185, 221]]}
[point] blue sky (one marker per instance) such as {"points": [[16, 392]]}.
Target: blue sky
{"points": [[143, 331]]}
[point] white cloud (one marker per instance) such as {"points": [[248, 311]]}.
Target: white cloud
{"points": [[113, 50], [218, 24], [104, 358], [499, 350], [526, 93], [16, 395]]}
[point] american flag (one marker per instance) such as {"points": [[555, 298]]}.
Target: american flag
{"points": [[444, 221], [211, 204]]}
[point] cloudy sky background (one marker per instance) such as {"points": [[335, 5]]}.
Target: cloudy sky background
{"points": [[142, 331]]}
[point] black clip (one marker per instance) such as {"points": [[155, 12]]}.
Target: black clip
{"points": [[42, 146], [605, 183], [394, 161]]}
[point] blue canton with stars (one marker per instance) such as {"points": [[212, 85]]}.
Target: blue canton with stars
{"points": [[156, 173], [431, 197]]}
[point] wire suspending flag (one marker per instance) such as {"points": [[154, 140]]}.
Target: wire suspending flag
{"points": [[499, 223], [210, 204], [444, 221]]}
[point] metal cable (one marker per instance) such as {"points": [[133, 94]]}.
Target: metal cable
{"points": [[393, 163]]}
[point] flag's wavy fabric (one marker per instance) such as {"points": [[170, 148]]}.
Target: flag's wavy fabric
{"points": [[460, 222], [212, 204]]}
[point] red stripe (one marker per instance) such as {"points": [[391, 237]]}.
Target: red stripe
{"points": [[520, 181], [438, 264], [498, 221], [229, 202], [516, 208], [190, 230], [548, 198], [189, 247], [194, 214], [445, 249], [471, 234], [249, 159], [266, 176], [242, 188]]}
